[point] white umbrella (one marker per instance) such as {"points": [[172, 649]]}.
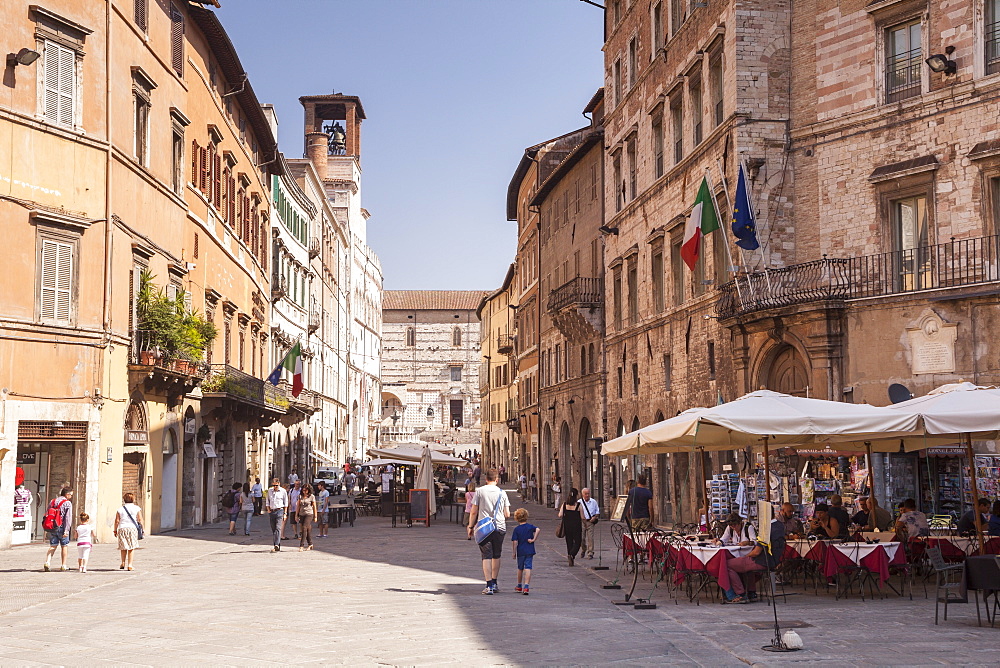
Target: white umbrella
{"points": [[425, 478], [412, 454]]}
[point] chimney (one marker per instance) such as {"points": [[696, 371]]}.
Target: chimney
{"points": [[317, 150]]}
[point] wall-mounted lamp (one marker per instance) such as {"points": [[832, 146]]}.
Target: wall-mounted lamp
{"points": [[552, 407], [22, 57], [571, 402], [608, 230], [941, 63]]}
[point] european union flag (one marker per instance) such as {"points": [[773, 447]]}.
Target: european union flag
{"points": [[744, 223]]}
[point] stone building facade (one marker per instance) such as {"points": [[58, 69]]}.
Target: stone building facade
{"points": [[498, 375], [430, 367]]}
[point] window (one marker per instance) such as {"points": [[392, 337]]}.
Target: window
{"points": [[227, 337], [677, 272], [141, 127], [177, 43], [711, 360], [56, 279], [59, 99], [656, 27], [583, 360], [177, 159], [716, 83], [618, 84], [911, 239], [618, 297], [559, 363], [698, 275], [593, 360], [456, 373], [995, 203], [456, 337], [140, 11], [656, 271], [633, 167], [616, 182], [411, 337], [677, 11], [696, 109], [677, 127], [720, 258], [621, 373], [635, 378], [633, 61], [656, 130], [633, 292], [903, 61], [616, 11], [667, 373]]}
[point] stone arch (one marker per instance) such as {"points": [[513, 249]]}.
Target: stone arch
{"points": [[785, 369], [136, 416], [658, 417], [621, 428], [635, 424]]}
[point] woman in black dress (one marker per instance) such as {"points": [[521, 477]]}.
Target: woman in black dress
{"points": [[572, 524]]}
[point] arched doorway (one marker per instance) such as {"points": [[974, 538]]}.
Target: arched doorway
{"points": [[189, 455], [787, 372], [636, 460], [136, 448], [566, 456], [590, 468], [168, 482], [545, 463]]}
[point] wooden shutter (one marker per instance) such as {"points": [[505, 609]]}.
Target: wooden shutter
{"points": [[56, 280], [140, 14], [203, 170], [177, 40], [60, 83], [217, 181], [195, 152], [231, 189]]}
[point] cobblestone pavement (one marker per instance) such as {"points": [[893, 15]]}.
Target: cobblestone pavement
{"points": [[373, 594]]}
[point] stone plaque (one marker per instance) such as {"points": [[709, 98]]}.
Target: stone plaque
{"points": [[932, 345]]}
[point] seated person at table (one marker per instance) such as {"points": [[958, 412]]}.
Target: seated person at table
{"points": [[759, 559], [793, 525], [912, 523], [822, 524], [838, 513], [967, 523], [883, 520], [738, 532], [994, 524]]}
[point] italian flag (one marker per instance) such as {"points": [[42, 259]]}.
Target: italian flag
{"points": [[702, 221], [293, 362]]}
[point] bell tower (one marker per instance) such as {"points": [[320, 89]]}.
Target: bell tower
{"points": [[332, 128]]}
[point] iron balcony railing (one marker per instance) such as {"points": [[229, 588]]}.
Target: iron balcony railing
{"points": [[505, 344], [314, 319], [902, 74], [579, 291], [956, 263], [279, 287], [226, 380], [152, 348], [314, 247]]}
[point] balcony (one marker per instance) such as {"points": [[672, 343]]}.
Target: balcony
{"points": [[315, 318], [313, 248], [279, 287], [505, 344], [575, 307], [158, 366], [307, 403], [954, 264], [513, 422], [244, 395]]}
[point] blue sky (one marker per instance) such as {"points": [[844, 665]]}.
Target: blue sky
{"points": [[454, 90]]}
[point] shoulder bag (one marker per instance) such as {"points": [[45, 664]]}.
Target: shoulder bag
{"points": [[561, 529], [138, 526], [486, 526], [590, 518]]}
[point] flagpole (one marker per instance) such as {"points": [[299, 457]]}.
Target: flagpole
{"points": [[763, 262], [729, 199], [715, 203]]}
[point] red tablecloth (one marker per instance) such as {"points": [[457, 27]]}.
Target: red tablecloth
{"points": [[716, 566], [949, 551], [993, 545], [877, 561]]}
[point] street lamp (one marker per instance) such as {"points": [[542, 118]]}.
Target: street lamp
{"points": [[22, 57]]}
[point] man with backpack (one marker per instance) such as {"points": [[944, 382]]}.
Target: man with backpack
{"points": [[56, 523]]}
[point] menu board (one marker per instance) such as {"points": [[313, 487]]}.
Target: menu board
{"points": [[420, 506]]}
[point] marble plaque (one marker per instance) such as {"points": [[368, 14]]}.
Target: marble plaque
{"points": [[932, 345]]}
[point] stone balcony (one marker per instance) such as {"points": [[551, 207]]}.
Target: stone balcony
{"points": [[576, 308]]}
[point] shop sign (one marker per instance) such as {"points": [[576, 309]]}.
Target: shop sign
{"points": [[136, 436], [189, 427], [952, 450], [209, 450], [26, 457]]}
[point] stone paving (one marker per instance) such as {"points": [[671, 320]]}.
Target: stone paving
{"points": [[373, 594]]}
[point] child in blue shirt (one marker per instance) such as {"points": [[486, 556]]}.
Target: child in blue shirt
{"points": [[523, 537]]}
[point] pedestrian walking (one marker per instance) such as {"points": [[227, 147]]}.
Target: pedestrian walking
{"points": [[246, 507], [277, 504], [293, 478], [557, 490], [524, 537], [591, 516], [470, 500], [363, 482], [231, 503], [533, 488], [323, 501], [492, 502], [503, 474], [128, 523], [639, 505], [56, 524], [84, 540], [293, 506], [477, 474], [572, 524], [306, 512], [349, 481], [257, 492], [522, 482]]}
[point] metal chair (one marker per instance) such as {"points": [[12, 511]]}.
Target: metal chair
{"points": [[950, 579]]}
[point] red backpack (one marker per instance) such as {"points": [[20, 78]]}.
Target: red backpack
{"points": [[53, 518]]}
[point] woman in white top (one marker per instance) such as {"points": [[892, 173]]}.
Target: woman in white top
{"points": [[127, 522]]}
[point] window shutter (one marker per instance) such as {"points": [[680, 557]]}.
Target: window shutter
{"points": [[140, 14], [231, 218], [177, 40], [217, 181], [56, 280], [202, 170], [194, 162], [60, 83]]}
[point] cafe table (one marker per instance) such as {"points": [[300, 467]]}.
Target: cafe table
{"points": [[710, 559]]}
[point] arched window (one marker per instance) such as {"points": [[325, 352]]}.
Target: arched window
{"points": [[456, 337], [583, 360], [411, 337], [593, 363]]}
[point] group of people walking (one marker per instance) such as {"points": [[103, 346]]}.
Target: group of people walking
{"points": [[59, 530], [301, 507]]}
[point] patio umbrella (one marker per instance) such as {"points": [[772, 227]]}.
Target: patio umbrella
{"points": [[425, 478], [412, 454]]}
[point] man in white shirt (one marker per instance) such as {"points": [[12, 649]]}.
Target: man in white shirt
{"points": [[293, 505], [293, 478], [491, 501], [277, 502], [323, 504], [257, 494], [590, 512], [349, 480]]}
